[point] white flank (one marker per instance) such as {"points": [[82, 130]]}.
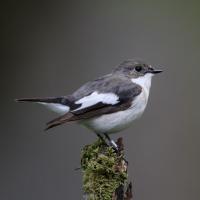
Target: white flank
{"points": [[56, 107], [95, 97], [114, 122]]}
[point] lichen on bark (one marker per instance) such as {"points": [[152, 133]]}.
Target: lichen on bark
{"points": [[104, 171]]}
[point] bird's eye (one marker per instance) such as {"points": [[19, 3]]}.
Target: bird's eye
{"points": [[138, 68]]}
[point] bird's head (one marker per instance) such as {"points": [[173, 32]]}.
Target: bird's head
{"points": [[135, 69]]}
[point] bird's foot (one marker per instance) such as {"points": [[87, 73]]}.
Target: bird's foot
{"points": [[108, 141], [111, 143], [117, 146]]}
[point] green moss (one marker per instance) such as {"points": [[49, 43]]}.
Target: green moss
{"points": [[103, 171]]}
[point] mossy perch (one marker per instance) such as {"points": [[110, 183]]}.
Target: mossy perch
{"points": [[105, 172]]}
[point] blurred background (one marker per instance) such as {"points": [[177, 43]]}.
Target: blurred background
{"points": [[50, 48]]}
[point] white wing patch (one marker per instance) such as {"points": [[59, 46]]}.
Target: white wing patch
{"points": [[56, 107], [95, 97]]}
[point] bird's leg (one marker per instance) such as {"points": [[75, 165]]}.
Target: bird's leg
{"points": [[111, 142], [101, 138]]}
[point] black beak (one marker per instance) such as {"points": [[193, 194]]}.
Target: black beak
{"points": [[154, 71]]}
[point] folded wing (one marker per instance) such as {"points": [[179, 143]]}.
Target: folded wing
{"points": [[104, 97]]}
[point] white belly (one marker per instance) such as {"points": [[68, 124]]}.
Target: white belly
{"points": [[111, 123]]}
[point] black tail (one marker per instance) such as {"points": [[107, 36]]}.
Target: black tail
{"points": [[42, 100]]}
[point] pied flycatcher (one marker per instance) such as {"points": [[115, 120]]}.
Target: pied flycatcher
{"points": [[107, 104]]}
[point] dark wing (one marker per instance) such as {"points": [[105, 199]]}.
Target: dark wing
{"points": [[121, 93]]}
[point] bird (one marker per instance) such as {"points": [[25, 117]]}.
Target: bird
{"points": [[107, 104]]}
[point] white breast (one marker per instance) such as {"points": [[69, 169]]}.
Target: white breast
{"points": [[144, 82]]}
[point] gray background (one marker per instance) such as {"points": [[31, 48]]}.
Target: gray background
{"points": [[52, 47]]}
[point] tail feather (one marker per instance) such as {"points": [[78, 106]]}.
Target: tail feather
{"points": [[41, 100], [57, 104]]}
